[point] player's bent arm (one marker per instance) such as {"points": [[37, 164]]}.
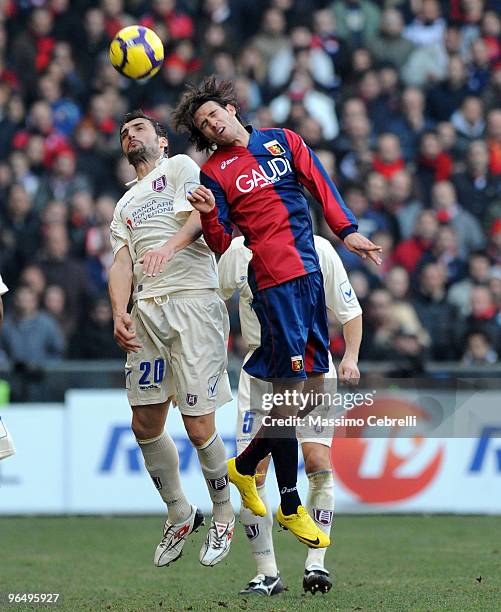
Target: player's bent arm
{"points": [[348, 368], [154, 261], [210, 200], [120, 285]]}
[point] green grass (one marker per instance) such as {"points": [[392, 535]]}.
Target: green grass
{"points": [[380, 563]]}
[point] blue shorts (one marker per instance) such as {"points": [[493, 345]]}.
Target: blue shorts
{"points": [[294, 330]]}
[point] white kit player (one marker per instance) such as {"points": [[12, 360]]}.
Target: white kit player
{"points": [[175, 335], [6, 445], [315, 446]]}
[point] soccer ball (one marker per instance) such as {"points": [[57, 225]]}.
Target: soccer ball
{"points": [[137, 52]]}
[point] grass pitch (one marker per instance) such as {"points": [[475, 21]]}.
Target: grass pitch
{"points": [[379, 562]]}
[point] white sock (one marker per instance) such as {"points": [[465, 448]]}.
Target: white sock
{"points": [[258, 530], [162, 462], [212, 457], [320, 504]]}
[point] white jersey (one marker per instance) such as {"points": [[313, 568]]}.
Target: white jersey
{"points": [[340, 297], [150, 213], [3, 287]]}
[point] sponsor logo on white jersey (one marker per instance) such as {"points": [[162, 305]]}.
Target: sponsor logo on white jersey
{"points": [[227, 162], [151, 208], [267, 174]]}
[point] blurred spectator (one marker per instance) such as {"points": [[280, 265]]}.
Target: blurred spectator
{"points": [[388, 159], [477, 188], [30, 340], [484, 315], [411, 122], [317, 104], [54, 304], [326, 37], [479, 350], [389, 45], [433, 164], [409, 252], [428, 28], [479, 269], [445, 251], [494, 247], [401, 204], [94, 338], [447, 96], [357, 20], [272, 37], [494, 140], [437, 316], [469, 232], [469, 119], [63, 270]]}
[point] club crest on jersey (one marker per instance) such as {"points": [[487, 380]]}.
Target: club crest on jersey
{"points": [[191, 399], [129, 223], [297, 363], [323, 517], [159, 183], [274, 147]]}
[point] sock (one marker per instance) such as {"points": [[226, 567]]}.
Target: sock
{"points": [[258, 448], [285, 454], [320, 504], [162, 462], [258, 530], [212, 457]]}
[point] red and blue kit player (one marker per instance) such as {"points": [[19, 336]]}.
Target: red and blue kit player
{"points": [[255, 180]]}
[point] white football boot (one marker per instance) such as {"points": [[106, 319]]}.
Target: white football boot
{"points": [[174, 538], [217, 543]]}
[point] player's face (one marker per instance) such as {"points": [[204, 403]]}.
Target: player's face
{"points": [[217, 123], [140, 141]]}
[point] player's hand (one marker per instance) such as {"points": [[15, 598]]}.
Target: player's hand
{"points": [[362, 246], [202, 199], [348, 371], [125, 335], [154, 261]]}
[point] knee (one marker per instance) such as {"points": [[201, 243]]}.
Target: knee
{"points": [[143, 429], [198, 432], [317, 459]]}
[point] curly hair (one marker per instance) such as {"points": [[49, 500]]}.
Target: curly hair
{"points": [[209, 90]]}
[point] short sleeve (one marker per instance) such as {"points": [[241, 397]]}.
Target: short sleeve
{"points": [[186, 177], [118, 232]]}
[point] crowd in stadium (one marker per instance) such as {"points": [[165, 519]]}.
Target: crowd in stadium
{"points": [[401, 100]]}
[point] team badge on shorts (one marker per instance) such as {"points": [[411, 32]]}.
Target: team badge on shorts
{"points": [[323, 517], [191, 399], [274, 147], [297, 363], [159, 183]]}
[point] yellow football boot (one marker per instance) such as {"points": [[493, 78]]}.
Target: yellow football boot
{"points": [[303, 527], [246, 486]]}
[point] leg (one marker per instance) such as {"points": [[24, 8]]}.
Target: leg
{"points": [[212, 456]]}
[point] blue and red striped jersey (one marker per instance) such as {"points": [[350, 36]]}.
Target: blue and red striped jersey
{"points": [[259, 189]]}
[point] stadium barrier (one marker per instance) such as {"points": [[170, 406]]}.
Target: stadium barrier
{"points": [[81, 457]]}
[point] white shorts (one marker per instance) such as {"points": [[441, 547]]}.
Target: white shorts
{"points": [[250, 418], [6, 445], [183, 341]]}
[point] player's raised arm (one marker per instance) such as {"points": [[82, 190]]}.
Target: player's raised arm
{"points": [[339, 217], [210, 201]]}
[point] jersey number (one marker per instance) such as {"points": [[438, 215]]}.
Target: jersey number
{"points": [[248, 422], [158, 371]]}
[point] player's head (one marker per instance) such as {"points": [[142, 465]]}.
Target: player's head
{"points": [[209, 113], [142, 137]]}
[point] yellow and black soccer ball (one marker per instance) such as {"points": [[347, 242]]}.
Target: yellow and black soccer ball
{"points": [[137, 52]]}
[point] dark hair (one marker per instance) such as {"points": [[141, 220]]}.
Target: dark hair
{"points": [[209, 90], [139, 114]]}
